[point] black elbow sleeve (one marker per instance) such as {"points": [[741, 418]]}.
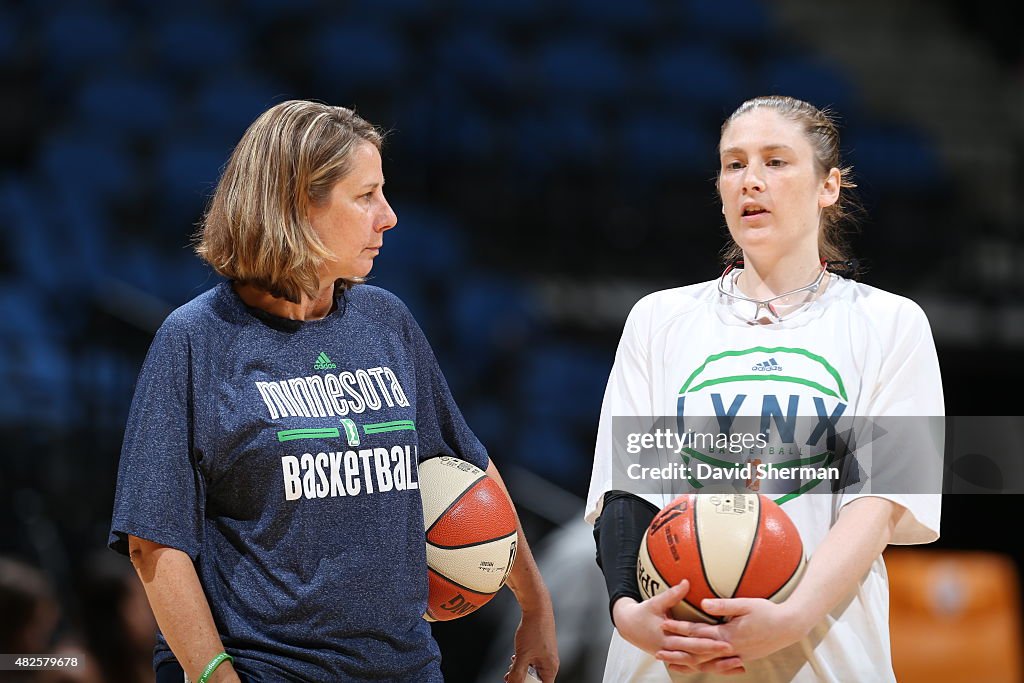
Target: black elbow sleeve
{"points": [[618, 533]]}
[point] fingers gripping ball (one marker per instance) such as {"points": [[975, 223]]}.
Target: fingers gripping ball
{"points": [[727, 545], [471, 537]]}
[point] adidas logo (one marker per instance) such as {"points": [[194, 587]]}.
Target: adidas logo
{"points": [[323, 362], [767, 366]]}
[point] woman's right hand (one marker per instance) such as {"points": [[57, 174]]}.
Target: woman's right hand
{"points": [[643, 624]]}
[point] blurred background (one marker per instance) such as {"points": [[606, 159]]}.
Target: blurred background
{"points": [[550, 161]]}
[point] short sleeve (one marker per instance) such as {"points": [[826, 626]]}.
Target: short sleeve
{"points": [[907, 404], [160, 493], [440, 426], [628, 393]]}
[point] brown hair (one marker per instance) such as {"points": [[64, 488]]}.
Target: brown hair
{"points": [[256, 229], [820, 128]]}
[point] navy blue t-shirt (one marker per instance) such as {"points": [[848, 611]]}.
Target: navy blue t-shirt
{"points": [[282, 458]]}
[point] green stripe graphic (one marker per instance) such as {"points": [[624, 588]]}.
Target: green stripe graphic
{"points": [[799, 492], [292, 434], [761, 378], [770, 349], [394, 426]]}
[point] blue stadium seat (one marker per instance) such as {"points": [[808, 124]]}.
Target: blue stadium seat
{"points": [[128, 104], [187, 170], [614, 15], [549, 448], [894, 158], [27, 236], [489, 315], [563, 381], [425, 247], [479, 59], [811, 79], [39, 367], [581, 67], [358, 55], [489, 420], [172, 275], [418, 260], [83, 232], [96, 161], [416, 123], [74, 39], [229, 101], [501, 12], [654, 142], [447, 124], [747, 19], [470, 135], [8, 35], [185, 276], [558, 135], [273, 10], [197, 44], [138, 265], [425, 242], [698, 76], [395, 10]]}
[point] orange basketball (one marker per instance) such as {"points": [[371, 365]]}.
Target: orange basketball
{"points": [[471, 536], [726, 545]]}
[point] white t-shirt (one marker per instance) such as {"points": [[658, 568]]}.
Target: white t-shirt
{"points": [[855, 350]]}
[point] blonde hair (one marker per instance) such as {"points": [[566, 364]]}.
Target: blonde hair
{"points": [[256, 229], [820, 128]]}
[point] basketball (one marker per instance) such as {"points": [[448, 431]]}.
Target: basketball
{"points": [[726, 545], [471, 537]]}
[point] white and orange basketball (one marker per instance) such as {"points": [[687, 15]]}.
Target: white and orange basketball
{"points": [[471, 536], [726, 545]]}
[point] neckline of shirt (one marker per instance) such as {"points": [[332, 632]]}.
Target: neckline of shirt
{"points": [[274, 322]]}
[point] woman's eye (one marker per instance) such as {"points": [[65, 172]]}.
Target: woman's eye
{"points": [[733, 166], [776, 162]]}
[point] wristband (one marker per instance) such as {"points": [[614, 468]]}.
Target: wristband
{"points": [[212, 666]]}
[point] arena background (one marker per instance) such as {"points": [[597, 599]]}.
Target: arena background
{"points": [[550, 163]]}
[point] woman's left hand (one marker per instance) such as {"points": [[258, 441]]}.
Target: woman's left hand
{"points": [[756, 627], [535, 644]]}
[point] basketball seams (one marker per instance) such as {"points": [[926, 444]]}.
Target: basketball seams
{"points": [[753, 545], [480, 568], [473, 545], [700, 552], [455, 502], [765, 544], [652, 568], [486, 596], [470, 537], [763, 576]]}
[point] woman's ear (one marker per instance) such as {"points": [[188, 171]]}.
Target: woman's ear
{"points": [[828, 194]]}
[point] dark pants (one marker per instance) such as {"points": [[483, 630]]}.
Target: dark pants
{"points": [[170, 672]]}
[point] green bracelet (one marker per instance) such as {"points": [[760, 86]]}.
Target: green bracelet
{"points": [[212, 666]]}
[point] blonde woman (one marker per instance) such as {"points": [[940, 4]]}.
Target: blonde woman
{"points": [[267, 486], [781, 334]]}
